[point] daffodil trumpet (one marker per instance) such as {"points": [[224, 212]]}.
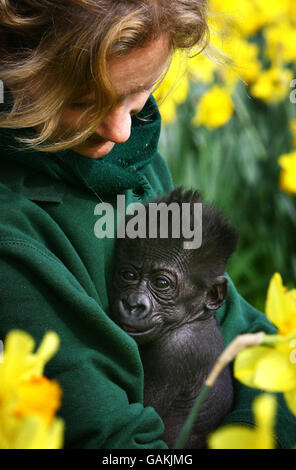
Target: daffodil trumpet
{"points": [[240, 343]]}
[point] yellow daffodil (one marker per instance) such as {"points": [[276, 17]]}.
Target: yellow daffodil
{"points": [[246, 65], [280, 42], [271, 11], [273, 85], [234, 58], [287, 181], [242, 16], [272, 365], [235, 436], [28, 401], [173, 89], [202, 68], [214, 109]]}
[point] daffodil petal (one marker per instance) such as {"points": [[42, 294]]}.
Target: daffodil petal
{"points": [[246, 362], [241, 437], [274, 303], [232, 437], [275, 372], [44, 353], [281, 305], [264, 408], [290, 398], [18, 344], [29, 428], [48, 347], [33, 434], [55, 435], [18, 347]]}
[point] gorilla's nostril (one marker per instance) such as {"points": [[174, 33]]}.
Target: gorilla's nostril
{"points": [[125, 304], [138, 309], [142, 308]]}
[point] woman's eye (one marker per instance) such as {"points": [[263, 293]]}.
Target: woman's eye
{"points": [[161, 283]]}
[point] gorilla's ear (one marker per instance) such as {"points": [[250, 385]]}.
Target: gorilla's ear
{"points": [[217, 294]]}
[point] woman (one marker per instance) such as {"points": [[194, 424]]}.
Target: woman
{"points": [[79, 126]]}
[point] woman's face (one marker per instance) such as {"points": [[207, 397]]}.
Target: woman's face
{"points": [[133, 77]]}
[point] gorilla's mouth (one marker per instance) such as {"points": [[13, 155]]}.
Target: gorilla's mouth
{"points": [[134, 331], [128, 329]]}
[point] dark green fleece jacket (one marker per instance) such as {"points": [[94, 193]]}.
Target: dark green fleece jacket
{"points": [[55, 275]]}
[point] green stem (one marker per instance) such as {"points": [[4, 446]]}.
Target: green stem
{"points": [[250, 128], [270, 340], [182, 438]]}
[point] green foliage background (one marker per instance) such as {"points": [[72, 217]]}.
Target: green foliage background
{"points": [[236, 168]]}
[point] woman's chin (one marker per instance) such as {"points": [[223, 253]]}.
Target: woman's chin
{"points": [[94, 152]]}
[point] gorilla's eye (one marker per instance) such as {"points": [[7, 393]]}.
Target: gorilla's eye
{"points": [[161, 283], [128, 275]]}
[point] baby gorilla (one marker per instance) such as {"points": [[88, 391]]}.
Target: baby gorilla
{"points": [[165, 297]]}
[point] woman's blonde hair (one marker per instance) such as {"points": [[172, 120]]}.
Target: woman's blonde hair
{"points": [[53, 52]]}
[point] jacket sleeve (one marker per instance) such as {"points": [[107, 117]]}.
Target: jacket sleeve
{"points": [[236, 317], [97, 365]]}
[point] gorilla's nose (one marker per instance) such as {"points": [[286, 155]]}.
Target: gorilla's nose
{"points": [[137, 304]]}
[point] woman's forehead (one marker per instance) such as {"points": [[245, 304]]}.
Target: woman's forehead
{"points": [[141, 68], [138, 70]]}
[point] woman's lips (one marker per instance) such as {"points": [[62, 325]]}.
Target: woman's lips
{"points": [[95, 141], [95, 147]]}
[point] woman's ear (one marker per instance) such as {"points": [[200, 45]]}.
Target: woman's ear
{"points": [[217, 294]]}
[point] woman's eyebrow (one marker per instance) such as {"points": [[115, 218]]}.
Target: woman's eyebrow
{"points": [[90, 101], [137, 89]]}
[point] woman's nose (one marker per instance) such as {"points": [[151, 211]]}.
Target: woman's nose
{"points": [[116, 127]]}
